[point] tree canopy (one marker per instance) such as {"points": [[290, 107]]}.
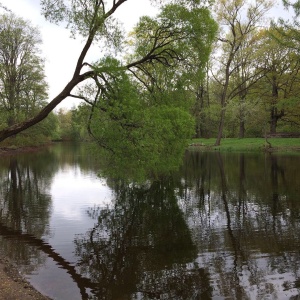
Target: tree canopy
{"points": [[171, 70], [140, 98]]}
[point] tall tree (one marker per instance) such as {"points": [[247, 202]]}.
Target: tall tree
{"points": [[279, 86], [238, 19], [23, 89]]}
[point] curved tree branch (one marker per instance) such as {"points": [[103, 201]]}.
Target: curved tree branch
{"points": [[77, 78]]}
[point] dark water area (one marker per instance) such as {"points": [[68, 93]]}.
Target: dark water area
{"points": [[225, 226]]}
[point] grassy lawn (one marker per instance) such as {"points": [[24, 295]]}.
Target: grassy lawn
{"points": [[248, 144]]}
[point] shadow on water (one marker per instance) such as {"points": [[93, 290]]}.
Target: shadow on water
{"points": [[198, 233], [28, 239]]}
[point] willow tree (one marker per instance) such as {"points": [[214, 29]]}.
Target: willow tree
{"points": [[94, 21], [142, 111]]}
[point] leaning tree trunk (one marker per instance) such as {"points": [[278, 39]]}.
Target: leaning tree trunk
{"points": [[223, 109], [223, 97], [77, 78], [16, 128], [273, 116]]}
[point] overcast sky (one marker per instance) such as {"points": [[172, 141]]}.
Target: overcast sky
{"points": [[61, 52]]}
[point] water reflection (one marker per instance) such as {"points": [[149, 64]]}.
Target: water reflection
{"points": [[26, 209], [249, 235], [25, 206], [224, 226], [141, 246]]}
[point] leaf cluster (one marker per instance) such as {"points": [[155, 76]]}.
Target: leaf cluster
{"points": [[88, 18], [136, 132]]}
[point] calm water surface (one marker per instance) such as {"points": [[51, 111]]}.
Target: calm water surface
{"points": [[223, 227]]}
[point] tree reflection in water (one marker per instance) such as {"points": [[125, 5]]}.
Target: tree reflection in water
{"points": [[249, 220], [201, 234], [141, 247], [225, 225], [25, 205], [25, 209]]}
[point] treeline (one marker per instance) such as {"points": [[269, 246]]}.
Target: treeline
{"points": [[191, 71]]}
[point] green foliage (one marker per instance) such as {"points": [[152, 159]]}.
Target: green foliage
{"points": [[84, 18], [179, 37], [70, 125], [79, 123], [278, 87], [23, 89], [183, 36], [136, 132], [42, 133], [131, 100], [146, 121]]}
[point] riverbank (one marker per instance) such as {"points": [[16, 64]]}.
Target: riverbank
{"points": [[247, 145], [17, 150], [13, 286], [203, 144]]}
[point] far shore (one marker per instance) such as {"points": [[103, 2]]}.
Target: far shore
{"points": [[20, 149], [282, 145]]}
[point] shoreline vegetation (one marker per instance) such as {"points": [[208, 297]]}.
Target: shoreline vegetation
{"points": [[20, 149], [281, 145], [277, 144]]}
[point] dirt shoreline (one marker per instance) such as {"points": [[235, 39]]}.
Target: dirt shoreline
{"points": [[13, 286]]}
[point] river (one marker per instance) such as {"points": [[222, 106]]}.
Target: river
{"points": [[224, 226]]}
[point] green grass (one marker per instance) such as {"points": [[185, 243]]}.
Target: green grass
{"points": [[248, 144]]}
